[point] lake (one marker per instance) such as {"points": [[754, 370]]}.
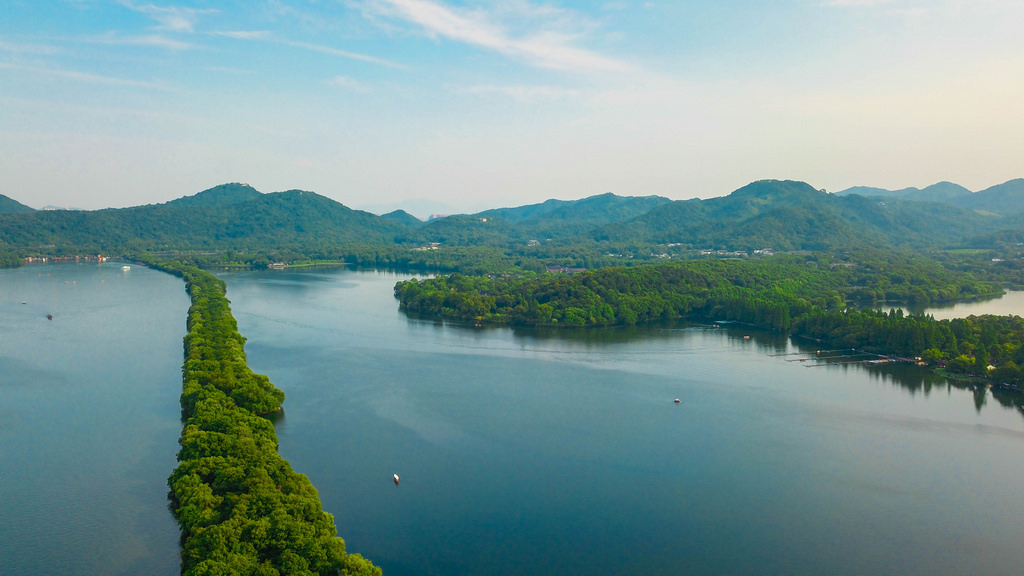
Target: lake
{"points": [[1010, 303], [89, 419], [520, 452], [551, 453]]}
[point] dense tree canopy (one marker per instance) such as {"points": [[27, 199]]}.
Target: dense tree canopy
{"points": [[801, 297], [242, 510]]}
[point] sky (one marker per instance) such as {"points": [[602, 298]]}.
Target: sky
{"points": [[461, 105]]}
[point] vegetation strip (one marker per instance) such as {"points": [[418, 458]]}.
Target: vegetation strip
{"points": [[788, 296], [241, 509]]}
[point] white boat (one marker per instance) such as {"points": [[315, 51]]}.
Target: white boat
{"points": [[126, 267]]}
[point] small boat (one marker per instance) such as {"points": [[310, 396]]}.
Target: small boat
{"points": [[49, 316], [126, 268], [676, 400], [396, 479]]}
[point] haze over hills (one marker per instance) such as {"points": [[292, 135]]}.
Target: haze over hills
{"points": [[782, 215], [1005, 199], [599, 209], [567, 218], [940, 192]]}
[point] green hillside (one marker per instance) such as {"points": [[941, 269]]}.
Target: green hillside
{"points": [[522, 213], [1006, 198], [402, 217], [940, 192], [593, 210], [592, 232], [223, 195], [283, 219], [8, 205], [581, 216], [787, 215]]}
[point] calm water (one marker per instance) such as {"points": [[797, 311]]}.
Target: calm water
{"points": [[519, 453], [89, 419], [524, 453], [1010, 303]]}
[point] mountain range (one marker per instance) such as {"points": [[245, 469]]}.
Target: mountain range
{"points": [[1006, 198], [778, 214]]}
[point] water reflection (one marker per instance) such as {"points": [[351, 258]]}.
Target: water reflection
{"points": [[1009, 304], [913, 379]]}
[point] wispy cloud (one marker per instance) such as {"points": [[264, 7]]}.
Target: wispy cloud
{"points": [[170, 18], [268, 36], [341, 53], [153, 40], [522, 93], [545, 46], [855, 3], [243, 34], [348, 83], [81, 76]]}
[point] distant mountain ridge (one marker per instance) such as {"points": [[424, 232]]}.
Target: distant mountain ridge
{"points": [[779, 214], [790, 215], [939, 192], [562, 218], [1005, 199]]}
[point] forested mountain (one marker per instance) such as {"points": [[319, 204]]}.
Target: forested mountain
{"points": [[402, 217], [465, 230], [10, 205], [218, 220], [940, 192], [553, 219], [521, 213], [594, 210], [223, 195], [778, 214], [1004, 199], [787, 215]]}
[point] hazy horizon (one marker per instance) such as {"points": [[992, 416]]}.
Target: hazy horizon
{"points": [[425, 208]]}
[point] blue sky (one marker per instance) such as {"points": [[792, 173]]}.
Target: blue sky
{"points": [[460, 105]]}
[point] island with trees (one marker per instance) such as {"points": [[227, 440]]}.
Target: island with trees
{"points": [[801, 296]]}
